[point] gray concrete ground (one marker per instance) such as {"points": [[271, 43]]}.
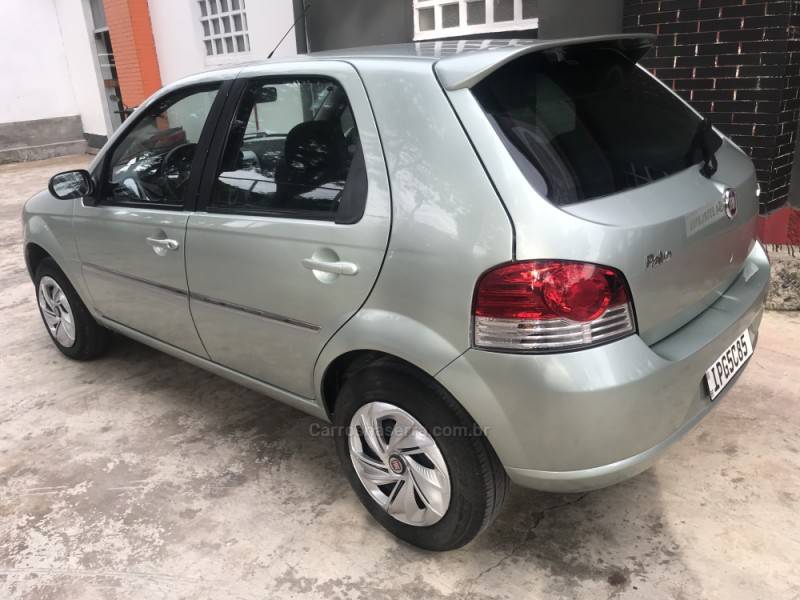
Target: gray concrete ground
{"points": [[784, 289], [138, 476]]}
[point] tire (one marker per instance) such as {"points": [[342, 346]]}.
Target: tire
{"points": [[477, 481], [69, 323]]}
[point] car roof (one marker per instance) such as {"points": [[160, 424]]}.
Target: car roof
{"points": [[444, 49], [461, 63], [430, 51]]}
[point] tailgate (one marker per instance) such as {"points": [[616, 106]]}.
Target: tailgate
{"points": [[596, 161], [674, 240]]}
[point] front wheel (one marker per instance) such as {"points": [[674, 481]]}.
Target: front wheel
{"points": [[66, 318], [415, 458]]}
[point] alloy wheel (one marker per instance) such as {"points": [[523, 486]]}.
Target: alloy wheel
{"points": [[56, 311]]}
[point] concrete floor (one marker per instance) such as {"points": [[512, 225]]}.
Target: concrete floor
{"points": [[139, 476]]}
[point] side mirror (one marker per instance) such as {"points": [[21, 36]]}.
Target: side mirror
{"points": [[71, 184], [266, 94]]}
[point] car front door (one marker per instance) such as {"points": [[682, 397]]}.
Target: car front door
{"points": [[131, 233], [293, 224]]}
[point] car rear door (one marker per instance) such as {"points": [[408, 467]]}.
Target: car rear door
{"points": [[293, 224], [131, 233]]}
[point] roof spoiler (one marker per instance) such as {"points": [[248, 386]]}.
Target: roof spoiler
{"points": [[467, 69]]}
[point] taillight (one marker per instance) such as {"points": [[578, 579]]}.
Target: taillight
{"points": [[547, 305]]}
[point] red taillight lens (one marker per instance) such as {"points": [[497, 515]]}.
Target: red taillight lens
{"points": [[551, 304], [578, 292]]}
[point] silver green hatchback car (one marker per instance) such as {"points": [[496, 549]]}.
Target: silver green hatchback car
{"points": [[478, 261]]}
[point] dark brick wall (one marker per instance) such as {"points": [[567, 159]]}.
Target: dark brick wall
{"points": [[738, 63]]}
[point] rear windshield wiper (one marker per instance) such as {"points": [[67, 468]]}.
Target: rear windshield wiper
{"points": [[702, 142]]}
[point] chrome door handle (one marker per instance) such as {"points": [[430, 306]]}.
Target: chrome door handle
{"points": [[164, 243], [338, 267]]}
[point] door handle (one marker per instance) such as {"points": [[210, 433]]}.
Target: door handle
{"points": [[163, 243], [336, 267]]}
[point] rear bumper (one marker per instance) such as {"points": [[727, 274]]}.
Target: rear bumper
{"points": [[584, 420]]}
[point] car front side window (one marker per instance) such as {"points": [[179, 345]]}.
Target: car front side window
{"points": [[152, 164]]}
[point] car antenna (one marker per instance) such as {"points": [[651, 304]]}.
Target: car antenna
{"points": [[306, 6]]}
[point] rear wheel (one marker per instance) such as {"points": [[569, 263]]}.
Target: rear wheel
{"points": [[66, 318], [415, 458]]}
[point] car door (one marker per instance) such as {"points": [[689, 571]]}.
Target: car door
{"points": [[293, 223], [131, 233]]}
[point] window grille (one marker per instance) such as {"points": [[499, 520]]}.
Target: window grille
{"points": [[451, 18], [224, 24]]}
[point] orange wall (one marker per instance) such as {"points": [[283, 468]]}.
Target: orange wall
{"points": [[134, 49]]}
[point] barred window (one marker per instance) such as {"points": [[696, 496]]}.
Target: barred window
{"points": [[224, 24], [449, 18]]}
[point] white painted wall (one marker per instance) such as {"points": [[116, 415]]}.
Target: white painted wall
{"points": [[268, 21], [179, 46], [48, 64], [35, 75], [75, 19], [179, 39]]}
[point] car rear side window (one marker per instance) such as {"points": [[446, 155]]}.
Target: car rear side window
{"points": [[293, 151], [587, 122]]}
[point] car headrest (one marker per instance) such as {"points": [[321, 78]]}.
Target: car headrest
{"points": [[314, 150]]}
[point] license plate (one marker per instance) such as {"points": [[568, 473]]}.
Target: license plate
{"points": [[726, 366]]}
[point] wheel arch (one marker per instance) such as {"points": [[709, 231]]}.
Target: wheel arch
{"points": [[337, 371], [350, 362], [34, 255], [374, 333], [47, 232], [37, 249]]}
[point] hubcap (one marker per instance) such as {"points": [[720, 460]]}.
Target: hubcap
{"points": [[399, 464], [56, 311]]}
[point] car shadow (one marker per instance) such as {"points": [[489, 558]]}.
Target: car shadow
{"points": [[612, 537]]}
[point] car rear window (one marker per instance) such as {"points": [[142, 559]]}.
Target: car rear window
{"points": [[586, 122]]}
